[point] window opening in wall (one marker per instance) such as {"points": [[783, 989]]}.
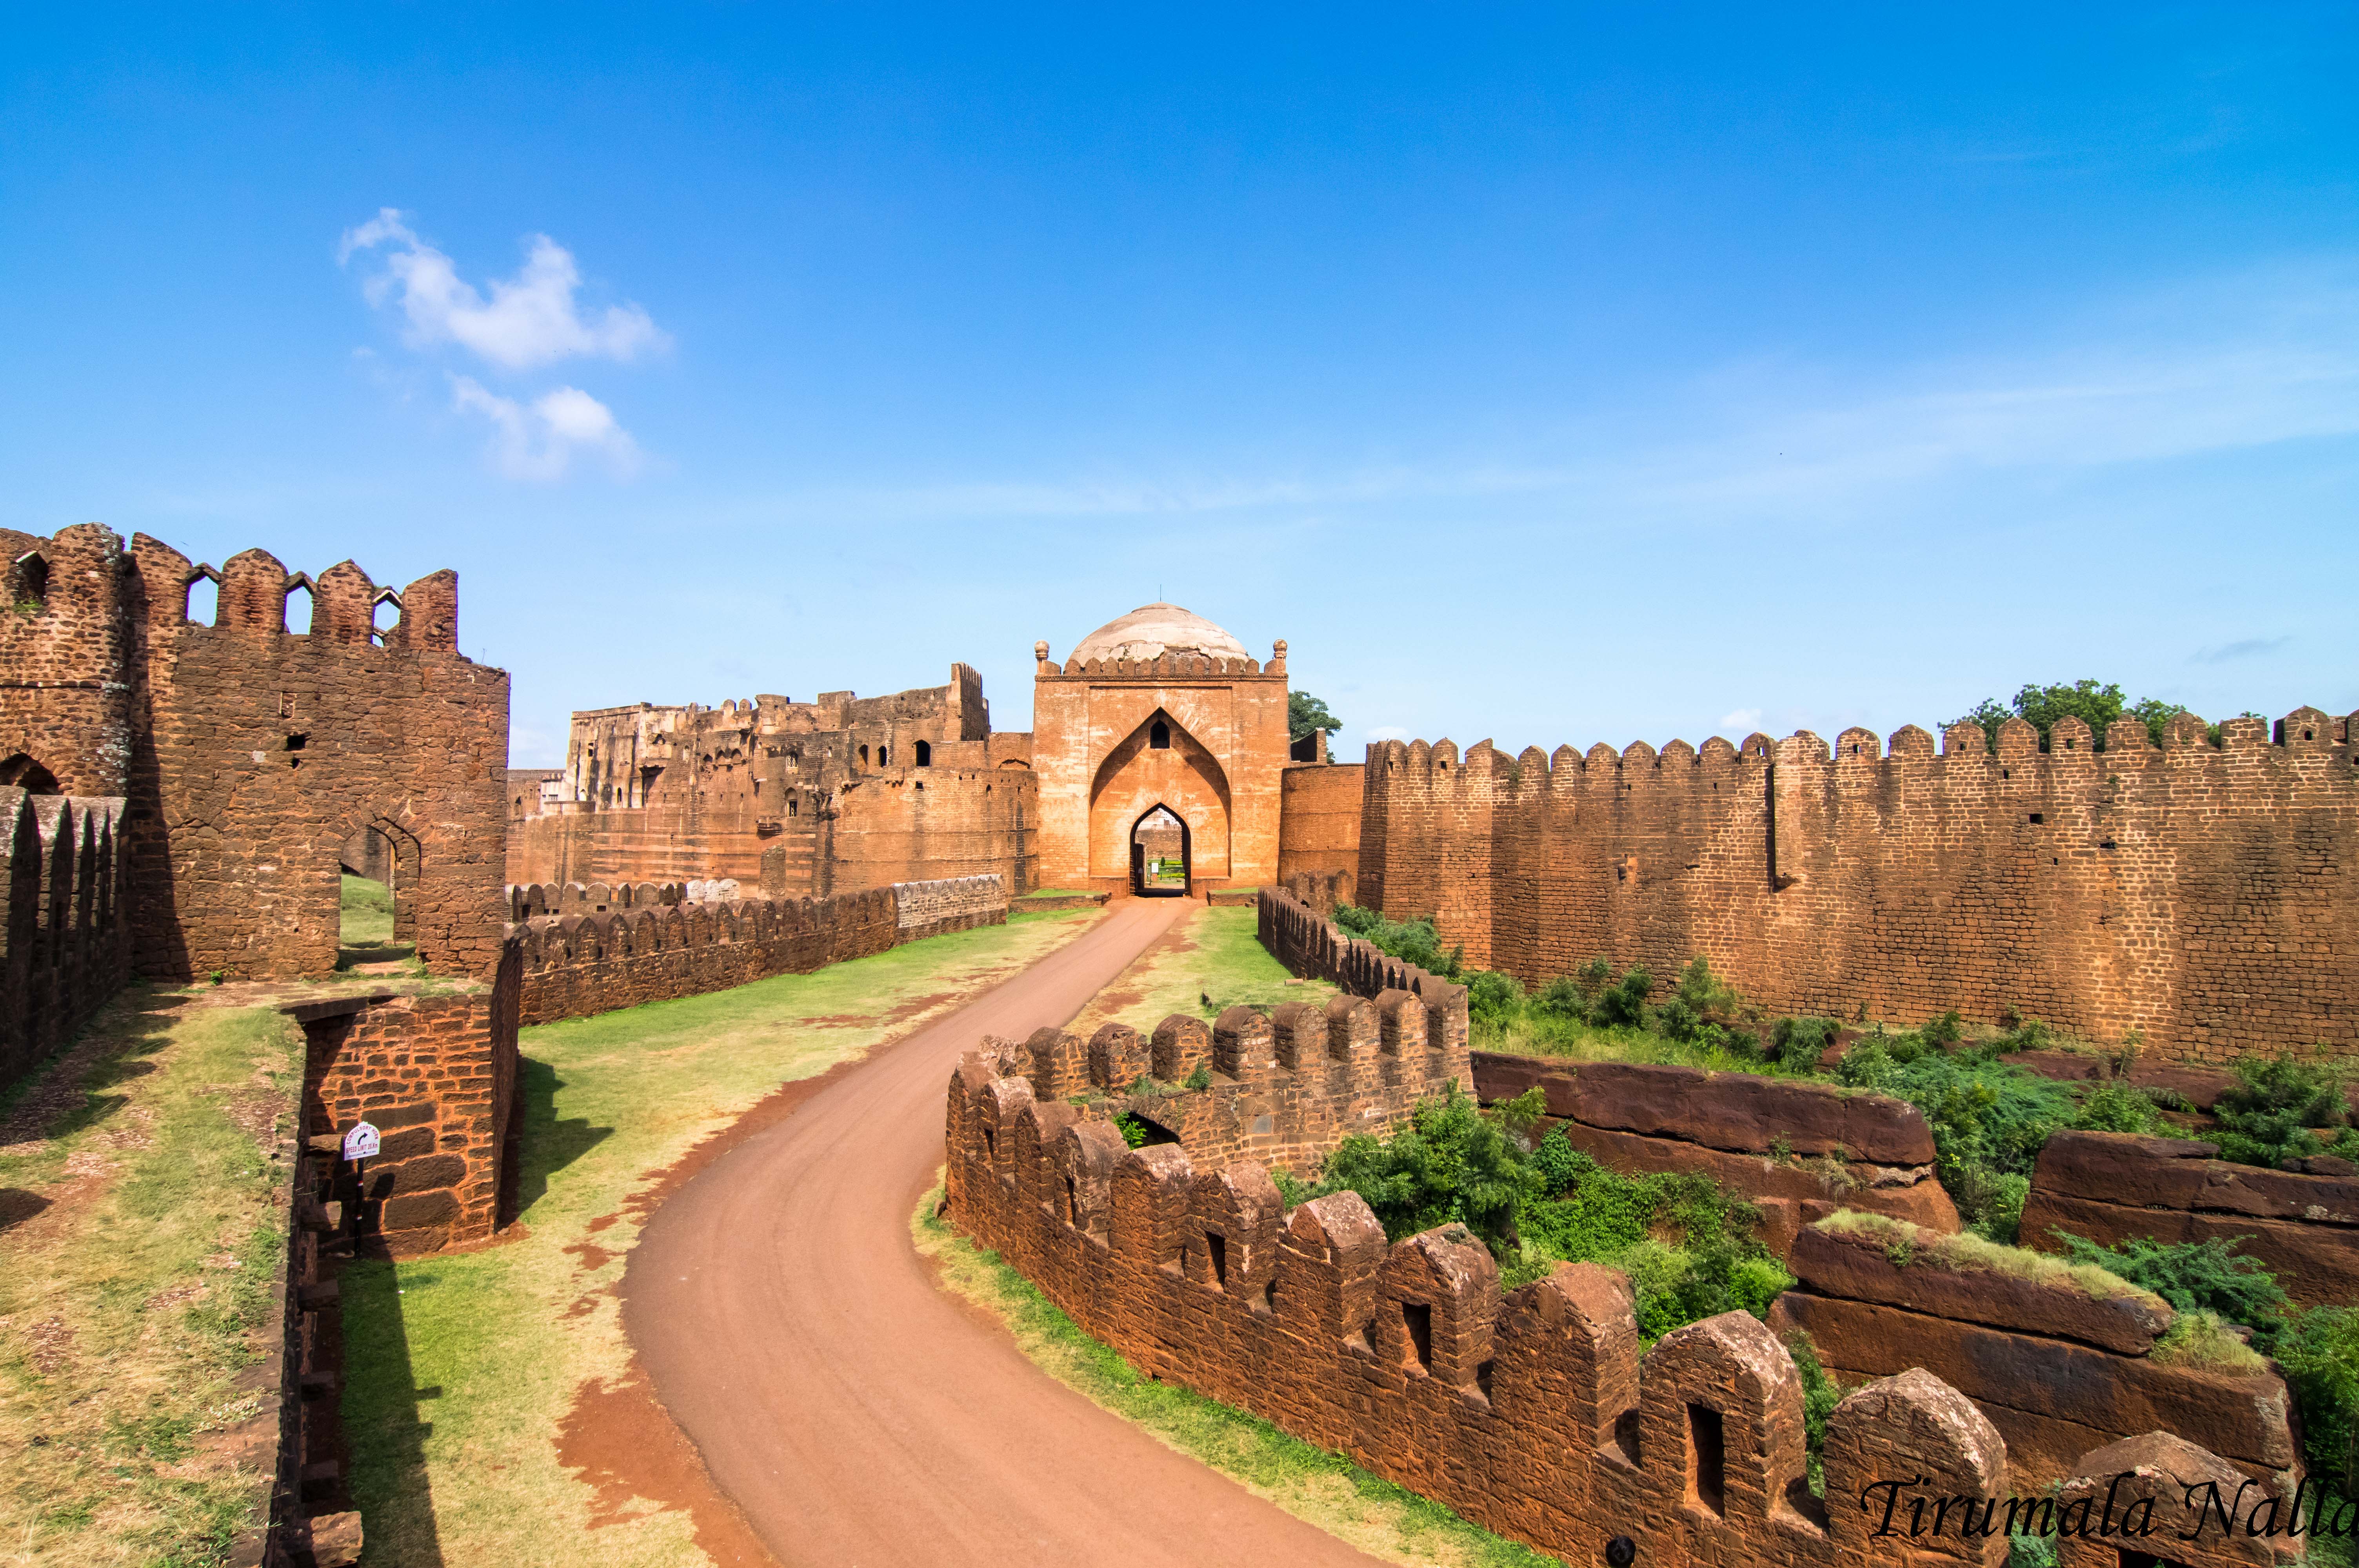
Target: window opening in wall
{"points": [[204, 605], [20, 771], [1707, 1459], [884, 756], [377, 869], [790, 806], [29, 582], [1217, 1246], [2039, 817], [1269, 1294], [1159, 736], [1418, 1317], [1625, 1434], [925, 753], [864, 756], [1072, 1202], [384, 614], [296, 611]]}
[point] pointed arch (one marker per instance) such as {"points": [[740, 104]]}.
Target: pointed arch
{"points": [[1138, 776]]}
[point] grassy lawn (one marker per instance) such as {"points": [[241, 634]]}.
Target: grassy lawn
{"points": [[1210, 959], [140, 1192], [1319, 1487], [461, 1369], [366, 935]]}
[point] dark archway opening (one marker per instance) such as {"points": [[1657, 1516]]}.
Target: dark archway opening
{"points": [[1159, 853], [20, 771]]}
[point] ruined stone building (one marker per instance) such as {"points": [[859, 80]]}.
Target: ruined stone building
{"points": [[1158, 711]]}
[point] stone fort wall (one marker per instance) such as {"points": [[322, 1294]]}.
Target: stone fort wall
{"points": [[622, 951], [1319, 831], [2200, 894], [1533, 1413], [66, 946]]}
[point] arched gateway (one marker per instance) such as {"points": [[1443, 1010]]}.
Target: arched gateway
{"points": [[1160, 709]]}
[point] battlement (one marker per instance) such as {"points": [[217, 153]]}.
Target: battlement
{"points": [[2102, 884], [1532, 1413], [65, 947], [1308, 944], [1163, 668], [1285, 1088], [590, 949]]}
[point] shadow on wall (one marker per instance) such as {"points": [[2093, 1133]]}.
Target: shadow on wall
{"points": [[538, 1144]]}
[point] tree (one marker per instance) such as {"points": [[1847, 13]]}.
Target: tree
{"points": [[2094, 705], [1305, 714]]}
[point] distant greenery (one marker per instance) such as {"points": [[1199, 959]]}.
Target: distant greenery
{"points": [[2094, 705], [1305, 713]]}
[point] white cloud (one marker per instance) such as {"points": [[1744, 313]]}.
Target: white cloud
{"points": [[1744, 722], [530, 319], [2250, 648], [539, 440], [1387, 732]]}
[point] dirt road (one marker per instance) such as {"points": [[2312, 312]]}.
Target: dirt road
{"points": [[857, 1415]]}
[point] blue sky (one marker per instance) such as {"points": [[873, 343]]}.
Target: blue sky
{"points": [[1553, 375]]}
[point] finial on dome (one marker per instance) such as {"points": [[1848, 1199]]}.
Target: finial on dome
{"points": [[1277, 655], [1040, 650]]}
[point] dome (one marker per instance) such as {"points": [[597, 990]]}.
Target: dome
{"points": [[1153, 629]]}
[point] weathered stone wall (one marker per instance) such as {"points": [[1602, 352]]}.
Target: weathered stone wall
{"points": [[1307, 944], [642, 949], [65, 698], [1093, 728], [1795, 1151], [1319, 832], [2110, 1185], [1284, 1089], [2056, 1372], [918, 825], [1533, 1415], [66, 946], [435, 1071], [2205, 895]]}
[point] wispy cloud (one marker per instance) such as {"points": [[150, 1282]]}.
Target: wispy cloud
{"points": [[2249, 648], [2224, 365], [1386, 732], [1743, 721], [529, 320], [540, 440]]}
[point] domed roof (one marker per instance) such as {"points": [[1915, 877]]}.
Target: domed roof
{"points": [[1152, 629]]}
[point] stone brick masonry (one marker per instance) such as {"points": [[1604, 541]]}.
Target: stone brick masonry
{"points": [[1533, 1415], [65, 948], [645, 950], [2203, 894]]}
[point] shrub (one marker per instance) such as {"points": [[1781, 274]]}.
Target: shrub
{"points": [[1493, 997], [1799, 1043], [1624, 1003], [1704, 992], [1821, 1394], [1201, 1078], [2320, 1356], [2116, 1106], [2203, 1340], [1415, 941], [1945, 1031], [1988, 1120], [2281, 1109], [1134, 1131], [1452, 1162], [2192, 1276], [1563, 999]]}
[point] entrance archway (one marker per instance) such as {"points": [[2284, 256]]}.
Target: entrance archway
{"points": [[377, 917], [1160, 853], [23, 773]]}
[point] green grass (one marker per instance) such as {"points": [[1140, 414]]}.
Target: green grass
{"points": [[367, 912], [1912, 1246], [132, 1300], [1322, 1488], [1208, 954], [462, 1367]]}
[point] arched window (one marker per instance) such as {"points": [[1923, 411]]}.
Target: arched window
{"points": [[884, 756], [22, 772], [924, 754], [864, 756], [1159, 738]]}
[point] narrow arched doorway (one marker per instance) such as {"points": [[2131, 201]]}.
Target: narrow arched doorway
{"points": [[377, 917], [1159, 854]]}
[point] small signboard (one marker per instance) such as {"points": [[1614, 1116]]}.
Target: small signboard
{"points": [[360, 1143]]}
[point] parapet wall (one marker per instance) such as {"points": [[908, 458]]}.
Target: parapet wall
{"points": [[1285, 1088], [66, 946], [1533, 1415], [2202, 894], [577, 965], [1308, 944], [1319, 832]]}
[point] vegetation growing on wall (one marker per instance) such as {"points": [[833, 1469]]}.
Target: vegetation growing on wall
{"points": [[1687, 1245]]}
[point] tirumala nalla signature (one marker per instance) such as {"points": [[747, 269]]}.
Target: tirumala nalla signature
{"points": [[2088, 1516]]}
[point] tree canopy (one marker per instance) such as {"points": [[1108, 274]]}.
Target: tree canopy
{"points": [[1305, 713]]}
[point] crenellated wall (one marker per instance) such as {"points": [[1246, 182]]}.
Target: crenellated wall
{"points": [[641, 948], [1533, 1415], [2205, 895], [1307, 944], [66, 946]]}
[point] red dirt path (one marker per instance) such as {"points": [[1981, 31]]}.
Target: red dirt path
{"points": [[856, 1414]]}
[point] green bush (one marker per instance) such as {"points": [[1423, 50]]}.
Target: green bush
{"points": [[1415, 941], [1493, 997], [1988, 1120], [1624, 1003], [1821, 1394], [2192, 1276], [2116, 1106], [1561, 999], [2282, 1109], [1134, 1131], [1799, 1043], [1452, 1162], [2319, 1353]]}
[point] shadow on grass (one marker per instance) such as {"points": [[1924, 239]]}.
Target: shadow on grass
{"points": [[541, 1145], [384, 1420]]}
